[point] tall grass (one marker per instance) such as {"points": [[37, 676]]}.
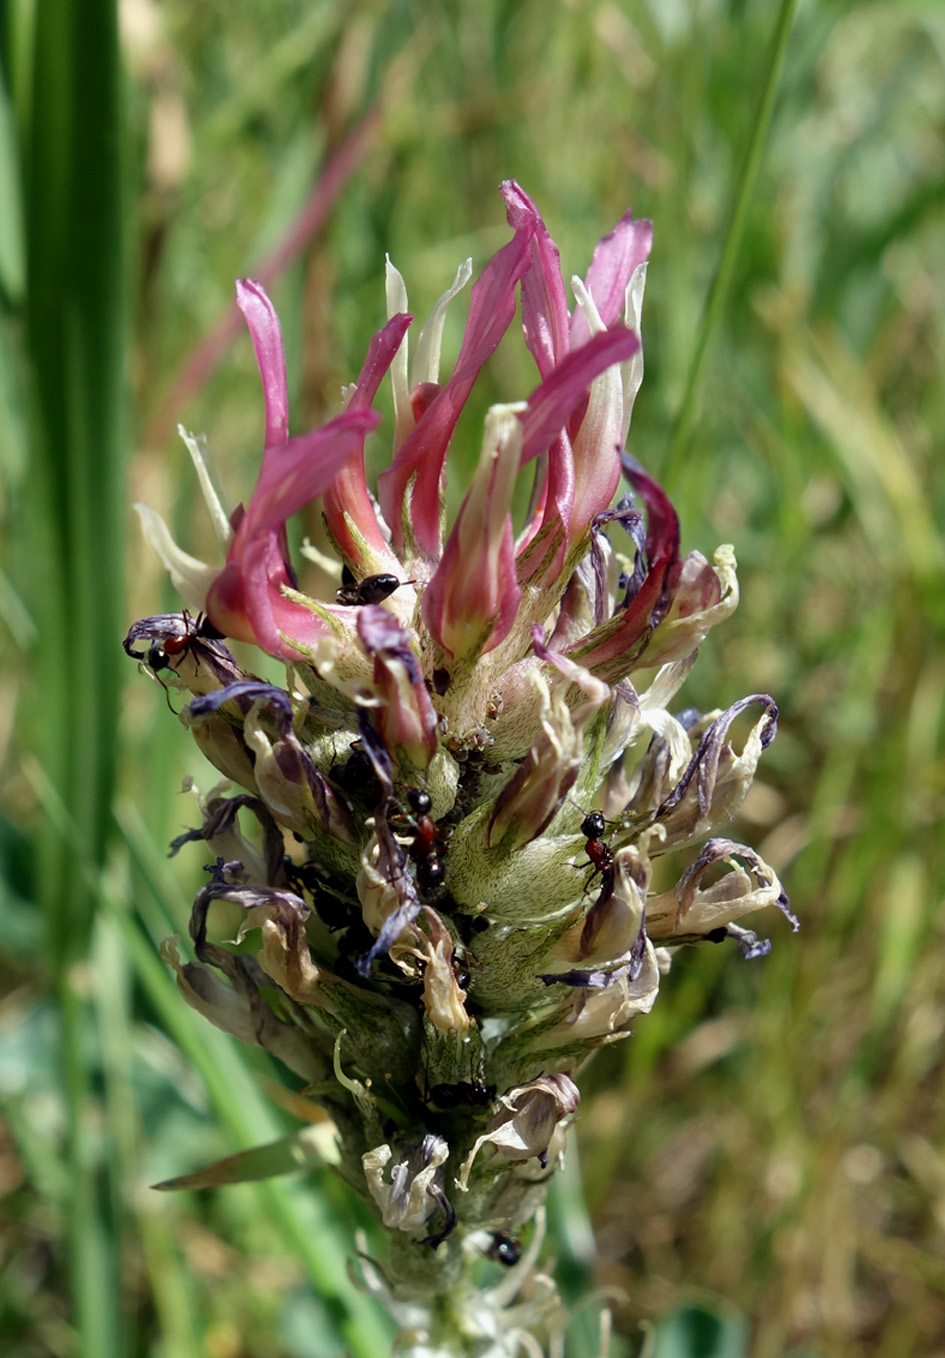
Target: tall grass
{"points": [[761, 1161]]}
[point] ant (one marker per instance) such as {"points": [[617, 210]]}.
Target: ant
{"points": [[356, 775], [505, 1249], [423, 848], [160, 653], [371, 590], [599, 854], [172, 636], [168, 634], [463, 1094]]}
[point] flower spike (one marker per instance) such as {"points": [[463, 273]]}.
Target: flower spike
{"points": [[442, 841]]}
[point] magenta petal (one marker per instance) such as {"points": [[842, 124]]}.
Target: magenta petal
{"points": [[551, 403], [263, 571], [346, 502], [507, 588], [405, 717], [556, 489], [302, 469], [473, 594], [615, 259], [549, 656], [270, 614], [423, 452], [545, 316], [246, 602], [561, 478], [266, 335], [380, 355], [492, 304], [549, 408], [472, 598], [241, 602]]}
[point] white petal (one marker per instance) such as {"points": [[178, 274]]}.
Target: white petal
{"points": [[587, 304], [426, 363], [210, 486], [632, 370], [396, 293], [190, 577]]}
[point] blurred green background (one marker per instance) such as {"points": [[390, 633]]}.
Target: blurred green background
{"points": [[762, 1161]]}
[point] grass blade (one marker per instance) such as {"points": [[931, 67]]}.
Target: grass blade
{"points": [[75, 337], [721, 283]]}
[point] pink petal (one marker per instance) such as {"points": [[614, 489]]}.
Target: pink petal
{"points": [[698, 590], [472, 598], [303, 468], [406, 718], [549, 409], [266, 335], [473, 593], [346, 501], [545, 316], [380, 356], [615, 259], [263, 573], [423, 452], [551, 403], [556, 488], [246, 601], [596, 451]]}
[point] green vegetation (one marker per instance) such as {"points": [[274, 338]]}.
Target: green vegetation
{"points": [[762, 1161]]}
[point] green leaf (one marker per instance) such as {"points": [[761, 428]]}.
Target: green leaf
{"points": [[12, 254], [299, 1150]]}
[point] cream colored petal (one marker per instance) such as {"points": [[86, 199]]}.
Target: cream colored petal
{"points": [[190, 577]]}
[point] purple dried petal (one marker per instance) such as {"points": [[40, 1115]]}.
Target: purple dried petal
{"points": [[704, 764], [220, 818]]}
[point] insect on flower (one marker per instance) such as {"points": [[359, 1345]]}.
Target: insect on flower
{"points": [[373, 589], [162, 656], [599, 854], [423, 847], [462, 1094], [505, 1249], [188, 646]]}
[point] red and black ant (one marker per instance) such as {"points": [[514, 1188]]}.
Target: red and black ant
{"points": [[168, 637], [423, 848], [373, 589], [160, 653], [599, 854]]}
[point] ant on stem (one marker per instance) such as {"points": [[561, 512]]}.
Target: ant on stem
{"points": [[423, 848]]}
